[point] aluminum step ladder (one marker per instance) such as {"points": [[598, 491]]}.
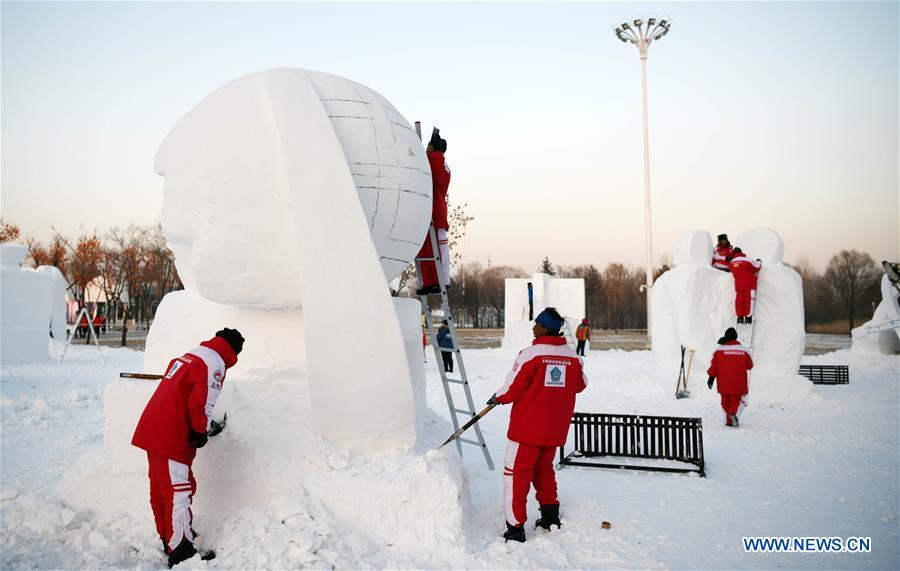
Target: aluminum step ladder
{"points": [[447, 381]]}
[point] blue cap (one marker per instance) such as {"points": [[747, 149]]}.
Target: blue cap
{"points": [[549, 322]]}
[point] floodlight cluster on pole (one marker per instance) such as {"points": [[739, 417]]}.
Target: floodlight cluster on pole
{"points": [[642, 32]]}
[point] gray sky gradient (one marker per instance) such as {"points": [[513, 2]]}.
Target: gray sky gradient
{"points": [[782, 115]]}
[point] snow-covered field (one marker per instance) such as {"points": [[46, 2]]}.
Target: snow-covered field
{"points": [[824, 467]]}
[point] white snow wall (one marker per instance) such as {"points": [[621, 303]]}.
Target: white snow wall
{"points": [[693, 304], [881, 334], [289, 188], [565, 294], [28, 309]]}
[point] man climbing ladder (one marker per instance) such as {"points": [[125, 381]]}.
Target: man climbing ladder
{"points": [[430, 278], [433, 274]]}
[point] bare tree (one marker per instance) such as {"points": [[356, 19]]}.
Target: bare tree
{"points": [[8, 232], [851, 275], [493, 289]]}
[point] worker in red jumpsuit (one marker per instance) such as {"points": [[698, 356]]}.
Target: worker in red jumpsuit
{"points": [[730, 363], [541, 386], [174, 424], [745, 274], [722, 253], [440, 183]]}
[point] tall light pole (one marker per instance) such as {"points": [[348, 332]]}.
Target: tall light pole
{"points": [[642, 32]]}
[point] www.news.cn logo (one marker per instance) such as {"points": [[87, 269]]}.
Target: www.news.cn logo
{"points": [[807, 544]]}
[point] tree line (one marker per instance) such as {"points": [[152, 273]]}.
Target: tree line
{"points": [[135, 261]]}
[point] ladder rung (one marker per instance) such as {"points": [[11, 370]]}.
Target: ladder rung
{"points": [[474, 442], [446, 350], [455, 381], [461, 411], [426, 259]]}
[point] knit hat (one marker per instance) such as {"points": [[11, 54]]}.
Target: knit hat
{"points": [[723, 237], [550, 320], [233, 337], [730, 335], [738, 251]]}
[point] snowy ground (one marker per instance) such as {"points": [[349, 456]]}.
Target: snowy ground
{"points": [[824, 467]]}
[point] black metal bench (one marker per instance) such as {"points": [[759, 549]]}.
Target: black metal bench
{"points": [[826, 374], [616, 436]]}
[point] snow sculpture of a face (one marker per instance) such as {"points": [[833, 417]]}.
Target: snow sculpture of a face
{"points": [[227, 210]]}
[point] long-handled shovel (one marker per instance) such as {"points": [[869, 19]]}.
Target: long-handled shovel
{"points": [[466, 426]]}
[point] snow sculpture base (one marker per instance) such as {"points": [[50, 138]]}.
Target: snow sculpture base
{"points": [[881, 334], [268, 456], [693, 304], [565, 294]]}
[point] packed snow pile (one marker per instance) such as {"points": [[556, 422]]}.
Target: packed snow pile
{"points": [[881, 334], [291, 199], [693, 304], [823, 467], [32, 307], [522, 305]]}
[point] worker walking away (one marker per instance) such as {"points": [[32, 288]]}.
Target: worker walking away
{"points": [[440, 184], [722, 253], [174, 424], [541, 386], [730, 363], [745, 281], [445, 341], [583, 336]]}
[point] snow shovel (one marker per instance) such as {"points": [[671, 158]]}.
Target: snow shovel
{"points": [[466, 426]]}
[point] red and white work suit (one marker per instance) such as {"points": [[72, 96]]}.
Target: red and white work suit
{"points": [[720, 257], [730, 363], [440, 183], [541, 387], [183, 401], [744, 271]]}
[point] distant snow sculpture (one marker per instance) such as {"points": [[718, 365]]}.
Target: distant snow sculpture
{"points": [[693, 304], [565, 294], [881, 334], [32, 306]]}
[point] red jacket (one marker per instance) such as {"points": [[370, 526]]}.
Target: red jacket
{"points": [[542, 386], [744, 272], [730, 363], [721, 255], [440, 182], [184, 399]]}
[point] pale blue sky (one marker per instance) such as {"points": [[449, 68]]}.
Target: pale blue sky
{"points": [[774, 114]]}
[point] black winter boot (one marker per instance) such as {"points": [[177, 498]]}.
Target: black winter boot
{"points": [[166, 549], [185, 550], [514, 533], [748, 319], [549, 517]]}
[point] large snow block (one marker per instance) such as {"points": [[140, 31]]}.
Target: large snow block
{"points": [[565, 294], [881, 334], [693, 304], [25, 309]]}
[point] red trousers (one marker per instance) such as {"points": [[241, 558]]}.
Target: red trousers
{"points": [[732, 404], [429, 269], [172, 487], [527, 464], [744, 302]]}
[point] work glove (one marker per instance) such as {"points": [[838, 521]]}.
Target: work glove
{"points": [[710, 382], [215, 428], [492, 400], [198, 439], [758, 261]]}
